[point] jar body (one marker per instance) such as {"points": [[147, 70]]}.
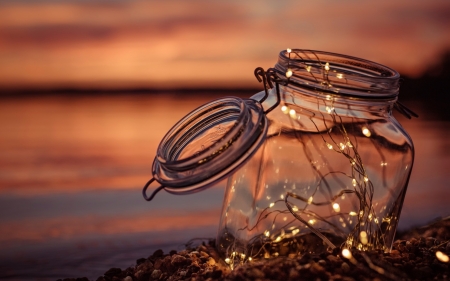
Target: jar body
{"points": [[332, 172]]}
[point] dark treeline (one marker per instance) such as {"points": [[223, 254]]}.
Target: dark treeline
{"points": [[431, 90]]}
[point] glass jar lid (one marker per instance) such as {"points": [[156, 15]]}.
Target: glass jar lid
{"points": [[208, 144]]}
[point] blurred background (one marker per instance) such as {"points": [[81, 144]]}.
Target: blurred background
{"points": [[89, 88]]}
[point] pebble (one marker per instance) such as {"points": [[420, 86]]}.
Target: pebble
{"points": [[211, 261], [156, 274], [345, 267], [178, 260]]}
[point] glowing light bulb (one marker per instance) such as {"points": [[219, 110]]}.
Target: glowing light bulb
{"points": [[249, 258], [349, 144], [347, 254], [310, 199], [311, 221], [295, 209], [342, 146], [336, 207], [271, 205], [441, 256], [288, 50], [227, 260], [284, 109], [354, 182], [292, 113], [267, 233], [366, 132], [366, 179], [289, 73], [327, 66], [308, 68], [363, 237], [352, 213], [295, 231], [329, 146], [340, 75]]}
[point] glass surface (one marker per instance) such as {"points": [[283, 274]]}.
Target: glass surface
{"points": [[332, 171]]}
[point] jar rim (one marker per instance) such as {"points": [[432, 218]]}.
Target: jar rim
{"points": [[209, 143], [337, 74]]}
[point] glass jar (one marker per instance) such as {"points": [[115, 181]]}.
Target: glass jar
{"points": [[333, 168]]}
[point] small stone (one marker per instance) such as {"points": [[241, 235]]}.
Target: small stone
{"points": [[141, 260], [158, 253], [156, 274], [255, 273], [316, 268], [158, 263], [322, 262], [334, 259], [395, 253], [293, 274], [216, 274], [113, 272], [204, 254], [345, 267], [128, 278], [211, 261], [178, 260], [429, 241]]}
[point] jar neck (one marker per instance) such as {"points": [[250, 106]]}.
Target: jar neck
{"points": [[343, 106], [324, 75]]}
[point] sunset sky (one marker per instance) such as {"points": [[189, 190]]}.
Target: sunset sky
{"points": [[176, 43]]}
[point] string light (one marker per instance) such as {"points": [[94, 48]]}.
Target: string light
{"points": [[363, 237], [292, 113], [288, 50], [442, 257], [354, 182], [366, 132], [308, 68], [329, 146], [327, 66], [352, 213], [336, 207], [271, 205], [289, 73], [284, 109], [340, 75], [347, 254]]}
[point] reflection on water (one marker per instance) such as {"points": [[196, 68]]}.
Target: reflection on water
{"points": [[72, 168]]}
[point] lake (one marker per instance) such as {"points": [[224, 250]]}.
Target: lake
{"points": [[73, 166]]}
